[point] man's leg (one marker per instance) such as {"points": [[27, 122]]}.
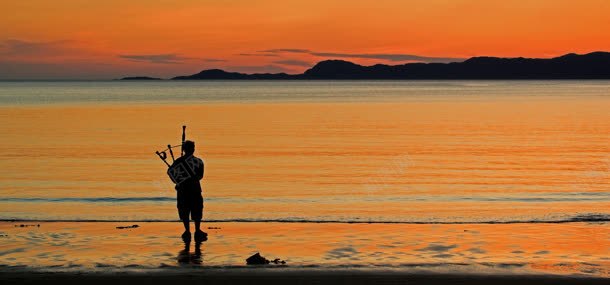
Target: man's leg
{"points": [[183, 213], [184, 217], [197, 225], [199, 234], [187, 225], [186, 236], [197, 215], [197, 211]]}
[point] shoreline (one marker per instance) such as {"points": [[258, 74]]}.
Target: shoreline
{"points": [[584, 218], [282, 276], [316, 222]]}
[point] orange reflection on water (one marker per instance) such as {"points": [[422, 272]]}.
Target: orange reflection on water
{"points": [[413, 160]]}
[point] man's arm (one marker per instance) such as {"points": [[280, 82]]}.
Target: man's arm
{"points": [[200, 171]]}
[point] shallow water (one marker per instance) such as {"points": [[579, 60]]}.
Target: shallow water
{"points": [[380, 151]]}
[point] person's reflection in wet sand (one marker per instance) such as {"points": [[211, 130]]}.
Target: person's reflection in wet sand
{"points": [[185, 257], [196, 257]]}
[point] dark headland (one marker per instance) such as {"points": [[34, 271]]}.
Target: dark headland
{"points": [[594, 65]]}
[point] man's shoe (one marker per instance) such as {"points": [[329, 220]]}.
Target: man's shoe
{"points": [[201, 236], [186, 236]]}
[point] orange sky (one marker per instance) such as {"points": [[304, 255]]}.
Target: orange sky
{"points": [[110, 39]]}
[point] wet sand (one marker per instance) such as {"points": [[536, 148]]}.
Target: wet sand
{"points": [[302, 276], [330, 252]]}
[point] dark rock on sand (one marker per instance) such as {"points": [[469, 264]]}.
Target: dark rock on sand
{"points": [[26, 226], [257, 259], [128, 227]]}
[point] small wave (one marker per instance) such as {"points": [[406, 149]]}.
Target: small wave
{"points": [[580, 218], [540, 198], [590, 218], [92, 199]]}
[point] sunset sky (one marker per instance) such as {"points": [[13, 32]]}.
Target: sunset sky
{"points": [[111, 39]]}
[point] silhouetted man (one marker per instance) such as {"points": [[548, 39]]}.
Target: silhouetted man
{"points": [[186, 171]]}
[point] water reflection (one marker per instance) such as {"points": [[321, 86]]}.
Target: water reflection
{"points": [[185, 257]]}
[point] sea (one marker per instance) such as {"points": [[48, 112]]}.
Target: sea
{"points": [[466, 177], [422, 152]]}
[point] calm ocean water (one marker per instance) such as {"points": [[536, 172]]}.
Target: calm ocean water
{"points": [[349, 151]]}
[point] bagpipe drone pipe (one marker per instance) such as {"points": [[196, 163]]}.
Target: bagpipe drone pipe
{"points": [[185, 168]]}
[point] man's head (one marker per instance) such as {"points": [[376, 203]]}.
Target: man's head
{"points": [[188, 147]]}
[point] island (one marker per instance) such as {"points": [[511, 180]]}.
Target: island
{"points": [[595, 65], [140, 78]]}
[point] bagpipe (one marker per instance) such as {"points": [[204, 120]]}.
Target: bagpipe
{"points": [[179, 172]]}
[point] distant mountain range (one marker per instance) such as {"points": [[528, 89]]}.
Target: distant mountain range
{"points": [[594, 65], [140, 78]]}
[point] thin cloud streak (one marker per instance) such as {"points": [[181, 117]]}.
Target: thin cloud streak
{"points": [[168, 58], [280, 50], [17, 48], [381, 56], [258, 54], [214, 60], [389, 57]]}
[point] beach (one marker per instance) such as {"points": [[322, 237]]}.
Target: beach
{"points": [[305, 142], [575, 249]]}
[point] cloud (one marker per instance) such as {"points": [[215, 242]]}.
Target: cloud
{"points": [[258, 54], [167, 58], [389, 57], [19, 70], [382, 56], [280, 50], [17, 48], [214, 60], [293, 62]]}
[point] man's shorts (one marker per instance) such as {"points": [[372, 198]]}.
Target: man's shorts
{"points": [[190, 202]]}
